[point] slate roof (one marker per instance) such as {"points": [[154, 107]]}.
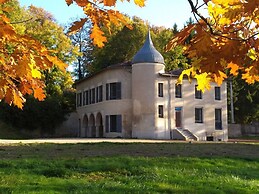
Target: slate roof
{"points": [[148, 53]]}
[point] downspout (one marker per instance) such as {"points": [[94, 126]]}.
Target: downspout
{"points": [[169, 106], [231, 101]]}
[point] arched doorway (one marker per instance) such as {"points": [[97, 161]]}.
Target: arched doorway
{"points": [[92, 126], [99, 125], [85, 129]]}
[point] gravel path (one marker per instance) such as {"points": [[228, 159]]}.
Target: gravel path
{"points": [[82, 140]]}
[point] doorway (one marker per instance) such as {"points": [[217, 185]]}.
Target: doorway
{"points": [[178, 117]]}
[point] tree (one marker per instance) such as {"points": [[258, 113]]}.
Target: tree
{"points": [[246, 100], [82, 40], [228, 39], [59, 100], [22, 60], [124, 43]]}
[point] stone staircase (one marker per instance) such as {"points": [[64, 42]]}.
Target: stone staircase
{"points": [[184, 134]]}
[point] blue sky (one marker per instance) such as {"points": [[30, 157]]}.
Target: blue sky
{"points": [[157, 12]]}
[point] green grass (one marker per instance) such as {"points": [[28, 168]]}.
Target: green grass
{"points": [[129, 168]]}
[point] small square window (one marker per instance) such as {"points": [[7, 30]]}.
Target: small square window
{"points": [[160, 111]]}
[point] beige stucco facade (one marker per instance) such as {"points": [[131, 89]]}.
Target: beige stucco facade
{"points": [[140, 100]]}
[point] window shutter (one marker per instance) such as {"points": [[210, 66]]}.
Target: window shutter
{"points": [[118, 90], [119, 123], [107, 124], [90, 96], [97, 95], [107, 91], [100, 93]]}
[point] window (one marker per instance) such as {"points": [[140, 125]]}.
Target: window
{"points": [[107, 91], [83, 98], [160, 90], [100, 93], [178, 90], [198, 94], [93, 96], [97, 95], [218, 118], [113, 91], [87, 97], [160, 111], [198, 115], [217, 93], [79, 99], [90, 96], [113, 123]]}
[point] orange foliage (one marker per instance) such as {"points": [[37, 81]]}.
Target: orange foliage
{"points": [[228, 39], [22, 60], [100, 14]]}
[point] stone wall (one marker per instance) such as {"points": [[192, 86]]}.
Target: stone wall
{"points": [[70, 127], [250, 129], [234, 130], [237, 130]]}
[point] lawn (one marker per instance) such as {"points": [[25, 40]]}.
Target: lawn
{"points": [[130, 168]]}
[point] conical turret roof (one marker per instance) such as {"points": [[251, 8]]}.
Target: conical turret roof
{"points": [[148, 53]]}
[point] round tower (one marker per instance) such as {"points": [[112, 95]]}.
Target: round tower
{"points": [[146, 66]]}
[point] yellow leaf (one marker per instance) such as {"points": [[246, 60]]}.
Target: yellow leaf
{"points": [[203, 81], [140, 3], [35, 73], [97, 36], [252, 55], [187, 72]]}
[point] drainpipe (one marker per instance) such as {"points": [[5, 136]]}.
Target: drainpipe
{"points": [[231, 101], [169, 106]]}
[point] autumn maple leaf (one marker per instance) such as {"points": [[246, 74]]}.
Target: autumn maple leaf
{"points": [[203, 81], [97, 36], [233, 68]]}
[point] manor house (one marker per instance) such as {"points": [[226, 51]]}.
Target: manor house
{"points": [[139, 99]]}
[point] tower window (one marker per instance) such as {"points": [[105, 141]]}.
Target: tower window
{"points": [[160, 90]]}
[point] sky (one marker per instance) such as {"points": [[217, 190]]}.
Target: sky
{"points": [[156, 12]]}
